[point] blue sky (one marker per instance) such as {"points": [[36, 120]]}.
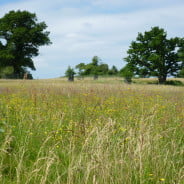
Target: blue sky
{"points": [[81, 29]]}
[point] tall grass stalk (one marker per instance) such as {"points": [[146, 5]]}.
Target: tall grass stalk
{"points": [[90, 133]]}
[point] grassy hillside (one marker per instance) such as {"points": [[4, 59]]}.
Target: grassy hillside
{"points": [[91, 132]]}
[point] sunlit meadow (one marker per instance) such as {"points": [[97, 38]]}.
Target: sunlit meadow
{"points": [[91, 132]]}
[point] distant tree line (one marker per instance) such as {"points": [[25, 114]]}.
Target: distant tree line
{"points": [[97, 68], [152, 54]]}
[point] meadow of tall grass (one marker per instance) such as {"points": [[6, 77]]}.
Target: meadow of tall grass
{"points": [[86, 132]]}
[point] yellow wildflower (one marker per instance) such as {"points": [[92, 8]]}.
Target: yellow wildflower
{"points": [[162, 179]]}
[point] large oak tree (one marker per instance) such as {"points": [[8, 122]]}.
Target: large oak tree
{"points": [[20, 37], [153, 54]]}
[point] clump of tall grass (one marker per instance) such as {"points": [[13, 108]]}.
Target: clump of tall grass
{"points": [[91, 133]]}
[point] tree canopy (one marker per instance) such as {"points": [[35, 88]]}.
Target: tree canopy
{"points": [[113, 71], [127, 73], [70, 73], [181, 73], [95, 68], [152, 54], [20, 37]]}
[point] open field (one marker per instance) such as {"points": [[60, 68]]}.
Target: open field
{"points": [[90, 132]]}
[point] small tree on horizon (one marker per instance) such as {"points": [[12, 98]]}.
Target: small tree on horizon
{"points": [[95, 67], [127, 73], [70, 74], [113, 71]]}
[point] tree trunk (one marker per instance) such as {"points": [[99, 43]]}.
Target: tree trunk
{"points": [[128, 80], [71, 78], [162, 79], [95, 77], [16, 72]]}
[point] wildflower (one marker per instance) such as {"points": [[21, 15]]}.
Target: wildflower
{"points": [[162, 179], [122, 129], [127, 138]]}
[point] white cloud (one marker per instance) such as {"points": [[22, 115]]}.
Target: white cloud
{"points": [[133, 3], [79, 31]]}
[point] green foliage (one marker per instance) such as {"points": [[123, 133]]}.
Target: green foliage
{"points": [[152, 54], [70, 73], [90, 68], [81, 69], [6, 72], [113, 71], [174, 83], [181, 73], [94, 68], [22, 35], [95, 61], [127, 73], [153, 81], [2, 125], [103, 69]]}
